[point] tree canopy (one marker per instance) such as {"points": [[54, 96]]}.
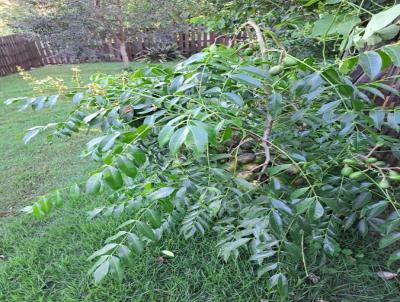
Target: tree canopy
{"points": [[78, 27]]}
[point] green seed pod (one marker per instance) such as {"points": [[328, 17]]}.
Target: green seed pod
{"points": [[394, 175], [371, 160], [384, 184], [356, 175], [275, 70], [288, 61], [248, 52], [380, 163], [346, 171], [349, 161]]}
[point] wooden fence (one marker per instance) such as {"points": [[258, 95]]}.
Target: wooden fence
{"points": [[16, 51], [19, 50]]}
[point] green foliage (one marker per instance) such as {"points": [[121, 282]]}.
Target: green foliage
{"points": [[274, 154], [166, 162]]}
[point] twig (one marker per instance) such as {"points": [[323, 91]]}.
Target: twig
{"points": [[265, 144], [385, 102], [259, 35], [372, 151]]}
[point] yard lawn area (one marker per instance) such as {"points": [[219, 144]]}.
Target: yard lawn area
{"points": [[46, 260], [33, 169]]}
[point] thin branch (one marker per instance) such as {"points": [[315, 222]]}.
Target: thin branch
{"points": [[259, 35], [265, 144]]}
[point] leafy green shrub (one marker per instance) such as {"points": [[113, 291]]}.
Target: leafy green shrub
{"points": [[278, 161], [162, 53]]}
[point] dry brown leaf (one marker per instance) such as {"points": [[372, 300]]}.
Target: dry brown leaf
{"points": [[386, 275], [314, 278], [161, 259]]}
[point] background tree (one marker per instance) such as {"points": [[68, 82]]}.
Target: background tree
{"points": [[9, 11], [78, 27]]}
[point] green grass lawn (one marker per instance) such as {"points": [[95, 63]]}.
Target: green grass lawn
{"points": [[46, 260], [33, 169]]}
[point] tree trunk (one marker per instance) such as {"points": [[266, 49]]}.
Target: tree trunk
{"points": [[124, 53]]}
